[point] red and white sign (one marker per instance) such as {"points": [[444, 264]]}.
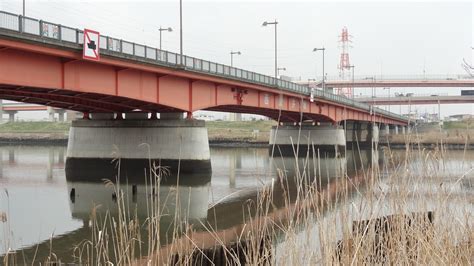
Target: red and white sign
{"points": [[91, 45]]}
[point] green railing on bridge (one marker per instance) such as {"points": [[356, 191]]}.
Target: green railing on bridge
{"points": [[62, 35]]}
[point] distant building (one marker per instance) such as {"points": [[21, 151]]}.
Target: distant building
{"points": [[426, 117], [460, 117], [422, 118], [287, 78], [412, 116], [205, 117]]}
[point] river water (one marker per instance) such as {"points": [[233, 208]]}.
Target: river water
{"points": [[38, 203]]}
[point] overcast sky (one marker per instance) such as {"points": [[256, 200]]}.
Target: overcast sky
{"points": [[389, 38]]}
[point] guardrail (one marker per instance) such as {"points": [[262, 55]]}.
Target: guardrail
{"points": [[406, 95], [381, 78], [64, 34]]}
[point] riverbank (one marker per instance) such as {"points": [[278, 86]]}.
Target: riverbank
{"points": [[239, 134], [452, 138], [221, 133]]}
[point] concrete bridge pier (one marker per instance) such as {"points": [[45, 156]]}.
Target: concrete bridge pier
{"points": [[393, 130], [384, 132], [11, 115], [404, 130], [60, 115], [326, 140], [136, 142], [361, 135], [52, 112]]}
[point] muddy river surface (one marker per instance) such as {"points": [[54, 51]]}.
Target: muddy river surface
{"points": [[38, 202]]}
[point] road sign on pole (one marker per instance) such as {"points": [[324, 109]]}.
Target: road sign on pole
{"points": [[91, 45]]}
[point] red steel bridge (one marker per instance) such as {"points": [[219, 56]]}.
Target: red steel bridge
{"points": [[42, 63]]}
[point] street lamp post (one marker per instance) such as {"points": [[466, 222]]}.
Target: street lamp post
{"points": [[352, 91], [234, 116], [321, 49], [278, 70], [373, 93], [276, 46], [232, 53], [373, 85], [388, 88], [181, 31], [169, 29]]}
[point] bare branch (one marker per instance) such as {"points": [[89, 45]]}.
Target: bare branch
{"points": [[468, 68]]}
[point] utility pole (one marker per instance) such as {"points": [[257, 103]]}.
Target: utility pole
{"points": [[181, 31], [232, 53], [280, 68], [234, 116], [324, 74], [439, 111], [352, 90], [275, 23], [169, 29]]}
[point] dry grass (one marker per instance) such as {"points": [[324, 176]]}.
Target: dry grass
{"points": [[446, 136], [315, 224]]}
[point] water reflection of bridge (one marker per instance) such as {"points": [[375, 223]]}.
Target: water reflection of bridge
{"points": [[224, 214], [13, 157]]}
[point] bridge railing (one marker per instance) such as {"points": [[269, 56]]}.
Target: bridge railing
{"points": [[374, 78], [64, 34]]}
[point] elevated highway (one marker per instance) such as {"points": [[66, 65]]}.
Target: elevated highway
{"points": [[421, 83], [434, 81], [13, 108], [416, 100]]}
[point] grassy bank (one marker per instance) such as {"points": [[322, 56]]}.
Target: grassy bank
{"points": [[246, 131], [34, 127], [250, 131], [446, 135], [458, 124]]}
